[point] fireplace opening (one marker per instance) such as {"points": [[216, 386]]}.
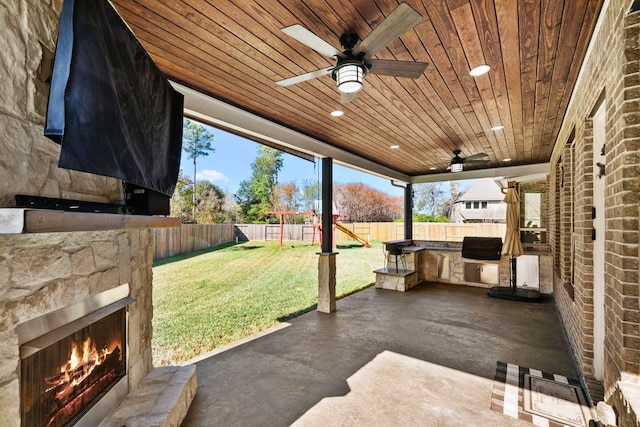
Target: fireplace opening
{"points": [[62, 381]]}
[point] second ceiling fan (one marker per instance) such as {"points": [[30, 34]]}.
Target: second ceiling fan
{"points": [[355, 63]]}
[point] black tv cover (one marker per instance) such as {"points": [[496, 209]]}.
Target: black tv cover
{"points": [[110, 106]]}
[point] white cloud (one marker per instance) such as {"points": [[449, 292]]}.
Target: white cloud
{"points": [[212, 176]]}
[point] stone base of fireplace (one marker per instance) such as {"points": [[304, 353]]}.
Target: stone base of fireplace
{"points": [[162, 398]]}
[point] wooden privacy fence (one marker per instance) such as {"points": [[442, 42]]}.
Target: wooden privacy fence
{"points": [[192, 237], [291, 232], [380, 231]]}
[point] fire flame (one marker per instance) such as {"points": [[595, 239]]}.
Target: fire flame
{"points": [[82, 361]]}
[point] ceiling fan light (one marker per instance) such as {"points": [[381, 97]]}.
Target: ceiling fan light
{"points": [[456, 167], [349, 78]]}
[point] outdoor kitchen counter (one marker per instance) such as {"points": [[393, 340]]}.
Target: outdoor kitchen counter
{"points": [[436, 261], [432, 262], [396, 277]]}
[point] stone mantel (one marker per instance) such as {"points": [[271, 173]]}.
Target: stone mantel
{"points": [[20, 220]]}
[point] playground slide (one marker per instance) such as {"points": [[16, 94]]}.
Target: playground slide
{"points": [[352, 235]]}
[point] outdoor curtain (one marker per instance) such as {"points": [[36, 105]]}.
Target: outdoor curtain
{"points": [[512, 245]]}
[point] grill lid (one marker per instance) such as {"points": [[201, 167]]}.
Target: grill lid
{"points": [[484, 248]]}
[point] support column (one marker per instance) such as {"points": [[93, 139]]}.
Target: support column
{"points": [[408, 212], [327, 205], [327, 259], [327, 282]]}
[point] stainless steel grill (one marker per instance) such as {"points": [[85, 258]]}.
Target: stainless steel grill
{"points": [[485, 248]]}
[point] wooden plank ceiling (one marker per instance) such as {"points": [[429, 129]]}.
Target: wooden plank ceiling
{"points": [[235, 51]]}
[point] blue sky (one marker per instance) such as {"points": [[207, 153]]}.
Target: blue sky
{"points": [[231, 163]]}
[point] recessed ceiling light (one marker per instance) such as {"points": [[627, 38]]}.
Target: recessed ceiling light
{"points": [[506, 160], [337, 113], [480, 70], [432, 168], [394, 146], [498, 127]]}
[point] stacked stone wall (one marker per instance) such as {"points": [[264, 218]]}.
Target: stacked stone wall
{"points": [[28, 164], [40, 273]]}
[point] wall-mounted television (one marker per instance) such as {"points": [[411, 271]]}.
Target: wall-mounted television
{"points": [[110, 107]]}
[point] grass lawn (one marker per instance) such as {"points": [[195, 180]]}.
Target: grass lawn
{"points": [[212, 297]]}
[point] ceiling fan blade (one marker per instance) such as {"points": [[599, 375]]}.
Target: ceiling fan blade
{"points": [[348, 97], [475, 157], [304, 77], [476, 162], [408, 69], [309, 39], [401, 20]]}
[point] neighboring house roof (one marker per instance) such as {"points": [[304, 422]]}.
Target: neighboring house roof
{"points": [[484, 189]]}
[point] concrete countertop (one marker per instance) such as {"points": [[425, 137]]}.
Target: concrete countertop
{"points": [[441, 248], [413, 248]]}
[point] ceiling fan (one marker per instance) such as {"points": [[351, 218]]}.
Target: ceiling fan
{"points": [[355, 63], [457, 163]]}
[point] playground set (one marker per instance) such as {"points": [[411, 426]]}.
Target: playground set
{"points": [[317, 227]]}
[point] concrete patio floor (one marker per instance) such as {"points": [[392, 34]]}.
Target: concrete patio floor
{"points": [[385, 358]]}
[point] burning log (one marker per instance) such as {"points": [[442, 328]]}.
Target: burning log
{"points": [[60, 382], [90, 383], [63, 378]]}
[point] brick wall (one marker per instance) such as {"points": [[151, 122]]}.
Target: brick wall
{"points": [[623, 197], [610, 75], [567, 201]]}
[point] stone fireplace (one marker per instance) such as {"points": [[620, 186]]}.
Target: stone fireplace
{"points": [[88, 290], [72, 365], [53, 262]]}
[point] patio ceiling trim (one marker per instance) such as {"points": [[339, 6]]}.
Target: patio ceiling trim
{"points": [[228, 117]]}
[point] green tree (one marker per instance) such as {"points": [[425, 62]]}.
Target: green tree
{"points": [[357, 202], [429, 199], [286, 198], [429, 218], [196, 142], [212, 204], [210, 207], [182, 199], [309, 193], [452, 208], [254, 195]]}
